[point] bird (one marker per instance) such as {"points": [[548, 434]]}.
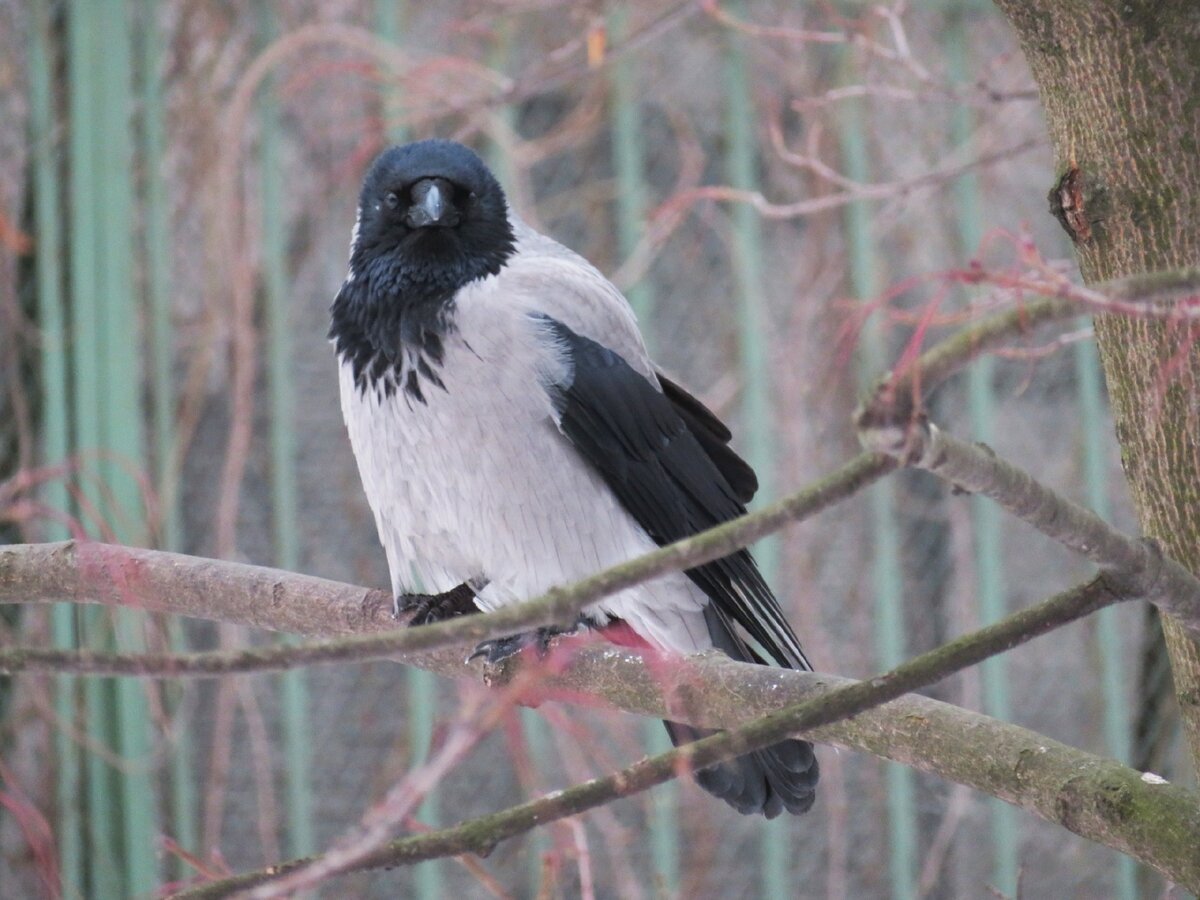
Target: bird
{"points": [[512, 435]]}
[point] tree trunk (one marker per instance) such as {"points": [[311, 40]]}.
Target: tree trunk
{"points": [[1120, 84]]}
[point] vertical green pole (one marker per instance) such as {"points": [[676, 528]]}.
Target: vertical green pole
{"points": [[753, 347], [56, 449], [1108, 635], [984, 515], [297, 733], [391, 17], [628, 155], [158, 269], [886, 570], [421, 687], [156, 240], [122, 828], [83, 49], [121, 425]]}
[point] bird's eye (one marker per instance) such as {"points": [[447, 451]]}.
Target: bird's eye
{"points": [[392, 199]]}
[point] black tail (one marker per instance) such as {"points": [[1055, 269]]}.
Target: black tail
{"points": [[780, 777], [768, 781]]}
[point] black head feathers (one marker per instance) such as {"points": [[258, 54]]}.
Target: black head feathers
{"points": [[435, 210], [432, 219]]}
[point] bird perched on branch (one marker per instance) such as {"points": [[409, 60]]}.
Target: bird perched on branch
{"points": [[512, 435]]}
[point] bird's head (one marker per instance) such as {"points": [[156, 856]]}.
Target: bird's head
{"points": [[431, 219]]}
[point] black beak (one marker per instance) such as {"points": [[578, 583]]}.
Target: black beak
{"points": [[431, 201]]}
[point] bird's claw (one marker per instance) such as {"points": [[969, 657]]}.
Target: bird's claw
{"points": [[429, 608], [496, 650]]}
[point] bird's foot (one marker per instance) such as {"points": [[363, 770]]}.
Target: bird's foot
{"points": [[429, 608], [497, 650]]}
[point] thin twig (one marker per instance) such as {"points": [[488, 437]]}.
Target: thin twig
{"points": [[768, 209], [398, 803], [1172, 295], [899, 393]]}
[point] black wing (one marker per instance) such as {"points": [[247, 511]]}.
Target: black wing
{"points": [[665, 457], [713, 437]]}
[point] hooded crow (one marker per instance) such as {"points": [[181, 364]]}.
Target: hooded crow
{"points": [[512, 435]]}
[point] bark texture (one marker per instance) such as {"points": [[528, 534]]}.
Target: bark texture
{"points": [[1120, 83]]}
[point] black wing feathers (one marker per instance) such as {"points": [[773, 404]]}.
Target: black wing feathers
{"points": [[713, 437], [665, 457]]}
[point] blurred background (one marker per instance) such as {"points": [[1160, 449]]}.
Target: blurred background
{"points": [[778, 187]]}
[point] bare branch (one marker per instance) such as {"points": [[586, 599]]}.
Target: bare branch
{"points": [[1061, 784], [381, 820], [709, 691], [1173, 294], [124, 576], [898, 394], [1138, 565], [769, 209]]}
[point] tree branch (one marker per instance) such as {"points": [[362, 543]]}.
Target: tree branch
{"points": [[249, 595], [1055, 782], [898, 394], [1139, 565], [1152, 820]]}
